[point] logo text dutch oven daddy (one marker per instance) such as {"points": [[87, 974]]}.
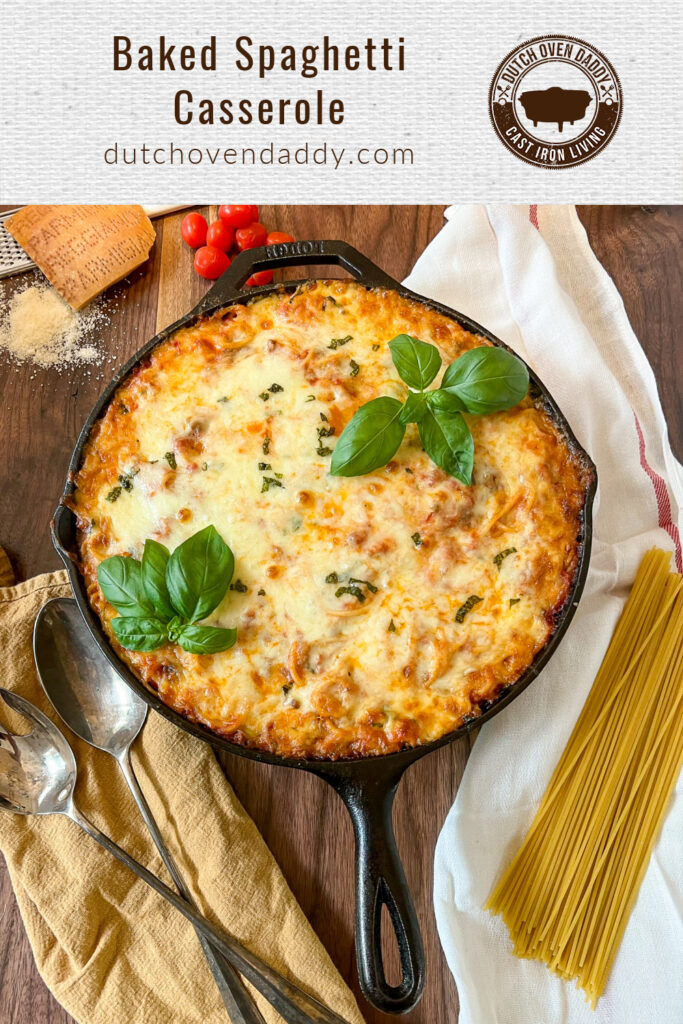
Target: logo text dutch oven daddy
{"points": [[555, 101]]}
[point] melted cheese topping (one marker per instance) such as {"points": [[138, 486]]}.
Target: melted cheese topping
{"points": [[314, 673]]}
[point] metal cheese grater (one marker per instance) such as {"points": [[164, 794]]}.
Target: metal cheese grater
{"points": [[13, 259]]}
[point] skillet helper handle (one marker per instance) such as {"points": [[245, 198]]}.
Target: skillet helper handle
{"points": [[381, 882], [291, 254]]}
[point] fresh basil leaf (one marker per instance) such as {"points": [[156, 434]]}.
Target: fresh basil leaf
{"points": [[446, 400], [414, 407], [154, 562], [417, 362], [198, 574], [206, 639], [138, 633], [487, 379], [120, 579], [370, 439], [448, 442]]}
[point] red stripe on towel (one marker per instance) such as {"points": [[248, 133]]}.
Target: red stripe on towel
{"points": [[663, 501], [533, 215]]}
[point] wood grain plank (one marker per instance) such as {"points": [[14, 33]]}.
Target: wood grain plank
{"points": [[180, 288], [641, 248], [24, 997], [42, 412], [302, 820]]}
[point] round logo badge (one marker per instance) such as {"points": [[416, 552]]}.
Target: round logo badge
{"points": [[555, 101]]}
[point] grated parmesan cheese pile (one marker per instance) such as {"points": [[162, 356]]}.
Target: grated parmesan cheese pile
{"points": [[37, 325]]}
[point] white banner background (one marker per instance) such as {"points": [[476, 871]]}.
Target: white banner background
{"points": [[62, 105]]}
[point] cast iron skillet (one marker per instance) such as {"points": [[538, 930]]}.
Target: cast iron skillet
{"points": [[368, 785]]}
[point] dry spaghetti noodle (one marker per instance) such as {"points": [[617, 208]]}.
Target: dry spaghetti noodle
{"points": [[567, 895]]}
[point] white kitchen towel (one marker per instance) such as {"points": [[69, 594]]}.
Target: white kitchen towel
{"points": [[530, 276]]}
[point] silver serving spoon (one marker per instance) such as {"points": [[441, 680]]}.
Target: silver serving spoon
{"points": [[93, 700], [38, 776]]}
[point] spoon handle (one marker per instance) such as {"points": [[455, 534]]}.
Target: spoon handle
{"points": [[238, 1002], [290, 1001]]}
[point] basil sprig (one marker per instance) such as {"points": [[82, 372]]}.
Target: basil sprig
{"points": [[160, 598], [483, 380]]}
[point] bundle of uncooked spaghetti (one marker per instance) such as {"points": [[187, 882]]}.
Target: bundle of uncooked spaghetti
{"points": [[567, 895]]}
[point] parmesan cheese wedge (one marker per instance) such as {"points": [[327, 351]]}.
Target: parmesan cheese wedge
{"points": [[83, 249]]}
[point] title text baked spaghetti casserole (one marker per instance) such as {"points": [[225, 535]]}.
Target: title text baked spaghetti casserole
{"points": [[373, 613]]}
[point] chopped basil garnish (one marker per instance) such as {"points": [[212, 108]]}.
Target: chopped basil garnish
{"points": [[365, 583], [223, 399], [467, 607], [261, 592], [391, 628], [266, 445], [126, 479], [264, 395], [239, 586], [274, 388], [354, 591], [268, 482], [354, 368], [375, 348], [170, 458], [416, 539], [311, 398], [353, 586], [502, 555], [514, 600], [264, 465], [114, 494], [338, 342]]}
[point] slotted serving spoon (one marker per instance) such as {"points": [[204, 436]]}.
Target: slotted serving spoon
{"points": [[93, 700], [38, 776]]}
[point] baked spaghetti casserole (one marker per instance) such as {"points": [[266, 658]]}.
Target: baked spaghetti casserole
{"points": [[373, 613]]}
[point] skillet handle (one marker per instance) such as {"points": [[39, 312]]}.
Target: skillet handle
{"points": [[291, 254], [381, 882]]}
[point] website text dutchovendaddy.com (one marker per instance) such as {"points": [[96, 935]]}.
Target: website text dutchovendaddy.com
{"points": [[306, 154]]}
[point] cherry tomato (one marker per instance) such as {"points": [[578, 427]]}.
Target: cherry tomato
{"points": [[250, 237], [261, 277], [238, 216], [220, 235], [193, 230], [277, 237], [210, 262]]}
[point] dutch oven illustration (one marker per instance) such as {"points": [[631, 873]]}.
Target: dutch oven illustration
{"points": [[555, 104]]}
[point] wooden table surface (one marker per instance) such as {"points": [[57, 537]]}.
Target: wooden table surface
{"points": [[302, 820]]}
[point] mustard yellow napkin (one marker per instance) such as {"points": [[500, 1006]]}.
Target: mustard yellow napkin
{"points": [[109, 948]]}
